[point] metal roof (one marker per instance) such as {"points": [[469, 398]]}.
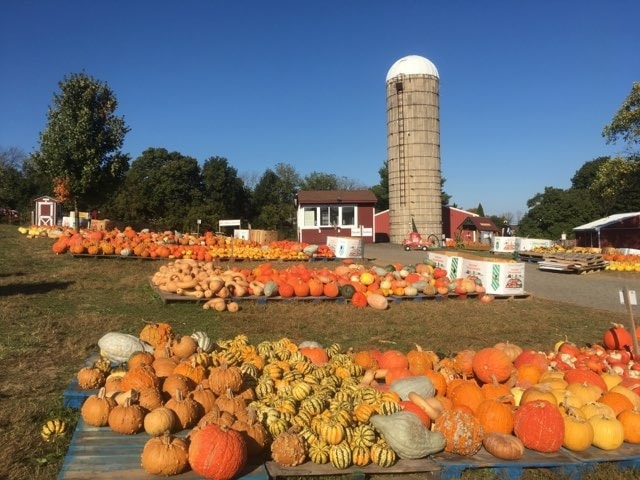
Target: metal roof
{"points": [[603, 222], [306, 197], [412, 65]]}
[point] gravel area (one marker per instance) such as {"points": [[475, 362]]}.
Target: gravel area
{"points": [[596, 289]]}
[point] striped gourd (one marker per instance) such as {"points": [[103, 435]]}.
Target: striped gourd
{"points": [[291, 376], [390, 396], [265, 386], [303, 367], [343, 396], [302, 418], [300, 390], [340, 456], [333, 350], [314, 405], [343, 416], [370, 395], [332, 432], [363, 436], [309, 435], [273, 371], [355, 370], [389, 407], [361, 456], [296, 357], [249, 369], [230, 357], [382, 454], [363, 411], [278, 426], [319, 452]]}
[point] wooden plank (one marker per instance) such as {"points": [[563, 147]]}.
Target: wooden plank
{"points": [[309, 469], [99, 453]]}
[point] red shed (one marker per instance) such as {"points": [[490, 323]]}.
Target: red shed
{"points": [[618, 231], [335, 213]]}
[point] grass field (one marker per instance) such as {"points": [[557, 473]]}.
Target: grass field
{"points": [[53, 310]]}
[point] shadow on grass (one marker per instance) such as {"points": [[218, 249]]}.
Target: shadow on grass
{"points": [[32, 288], [14, 274]]}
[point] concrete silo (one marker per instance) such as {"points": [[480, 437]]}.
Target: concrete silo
{"points": [[413, 148]]}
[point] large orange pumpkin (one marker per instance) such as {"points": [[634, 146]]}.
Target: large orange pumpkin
{"points": [[539, 425], [217, 453]]}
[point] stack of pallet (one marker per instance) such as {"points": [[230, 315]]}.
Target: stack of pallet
{"points": [[572, 262]]}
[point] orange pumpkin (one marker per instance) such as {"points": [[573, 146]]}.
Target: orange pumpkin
{"points": [[359, 300], [419, 361], [317, 355], [462, 431], [491, 364], [495, 416]]}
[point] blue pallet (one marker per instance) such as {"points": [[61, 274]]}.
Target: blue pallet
{"points": [[73, 396], [99, 453]]}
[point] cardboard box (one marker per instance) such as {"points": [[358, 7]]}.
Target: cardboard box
{"points": [[451, 263], [498, 278], [263, 237], [100, 224], [518, 244], [345, 247]]}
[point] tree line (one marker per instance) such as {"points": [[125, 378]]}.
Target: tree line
{"points": [[81, 163]]}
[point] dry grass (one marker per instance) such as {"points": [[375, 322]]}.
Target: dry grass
{"points": [[53, 309]]}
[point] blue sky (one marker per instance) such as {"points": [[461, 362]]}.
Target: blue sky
{"points": [[525, 86]]}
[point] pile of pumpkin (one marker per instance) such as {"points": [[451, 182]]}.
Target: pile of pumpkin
{"points": [[242, 403], [362, 286], [172, 245]]}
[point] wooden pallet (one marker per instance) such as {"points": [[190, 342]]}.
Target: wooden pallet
{"points": [[573, 262]]}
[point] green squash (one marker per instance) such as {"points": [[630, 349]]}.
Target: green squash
{"points": [[347, 290]]}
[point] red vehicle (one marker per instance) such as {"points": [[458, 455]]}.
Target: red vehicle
{"points": [[415, 241]]}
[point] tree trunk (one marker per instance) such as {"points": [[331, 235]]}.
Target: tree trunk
{"points": [[76, 216]]}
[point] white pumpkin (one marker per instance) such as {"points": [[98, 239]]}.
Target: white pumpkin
{"points": [[118, 347]]}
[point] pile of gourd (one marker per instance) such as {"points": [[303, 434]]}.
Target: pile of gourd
{"points": [[219, 288], [294, 403]]}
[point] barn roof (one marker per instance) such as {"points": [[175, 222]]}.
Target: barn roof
{"points": [[306, 197], [606, 221], [483, 224]]}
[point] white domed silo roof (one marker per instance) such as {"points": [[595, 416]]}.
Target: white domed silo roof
{"points": [[412, 65]]}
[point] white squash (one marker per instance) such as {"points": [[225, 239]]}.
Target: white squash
{"points": [[418, 383], [118, 347], [407, 436]]}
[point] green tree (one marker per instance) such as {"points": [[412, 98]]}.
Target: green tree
{"points": [[626, 122], [556, 211], [273, 200], [617, 186], [381, 190], [586, 175], [80, 146], [224, 193], [11, 180], [480, 210], [160, 190], [319, 181]]}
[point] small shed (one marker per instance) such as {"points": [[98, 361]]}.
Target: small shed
{"points": [[621, 230], [335, 213], [478, 229], [452, 218], [46, 211]]}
